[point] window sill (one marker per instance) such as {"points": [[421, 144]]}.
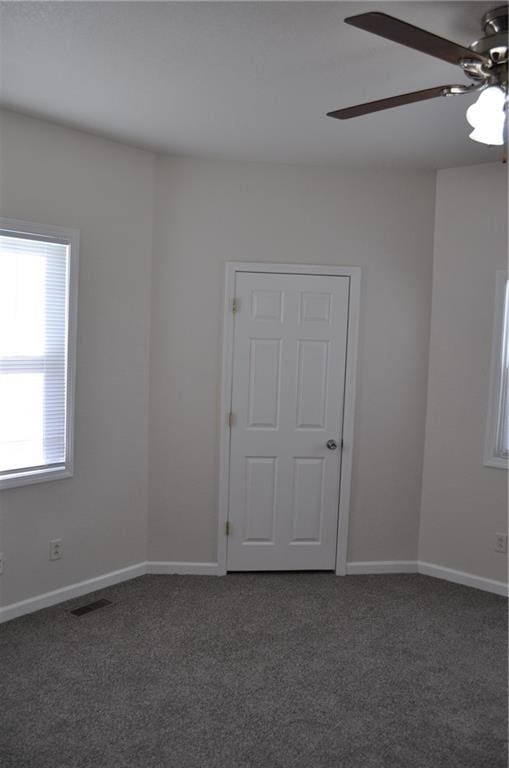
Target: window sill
{"points": [[17, 479], [496, 462]]}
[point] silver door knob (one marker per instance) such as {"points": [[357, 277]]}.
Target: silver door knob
{"points": [[331, 445]]}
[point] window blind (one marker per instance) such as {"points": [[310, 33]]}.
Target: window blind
{"points": [[34, 309], [502, 445]]}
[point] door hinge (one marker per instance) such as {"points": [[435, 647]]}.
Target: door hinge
{"points": [[341, 443], [235, 305], [231, 419], [227, 528]]}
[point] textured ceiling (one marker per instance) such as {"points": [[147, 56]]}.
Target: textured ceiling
{"points": [[240, 79]]}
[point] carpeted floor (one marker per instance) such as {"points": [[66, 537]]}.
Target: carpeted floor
{"points": [[259, 671]]}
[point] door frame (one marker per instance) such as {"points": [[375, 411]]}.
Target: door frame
{"points": [[354, 275]]}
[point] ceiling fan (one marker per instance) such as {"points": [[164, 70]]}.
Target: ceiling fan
{"points": [[484, 62]]}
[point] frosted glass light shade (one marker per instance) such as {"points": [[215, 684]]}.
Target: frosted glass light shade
{"points": [[487, 117]]}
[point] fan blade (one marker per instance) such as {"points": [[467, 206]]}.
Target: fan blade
{"points": [[393, 101], [406, 34]]}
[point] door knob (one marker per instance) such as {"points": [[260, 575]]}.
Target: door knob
{"points": [[331, 445]]}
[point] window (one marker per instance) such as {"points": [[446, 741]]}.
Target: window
{"points": [[38, 282], [497, 435]]}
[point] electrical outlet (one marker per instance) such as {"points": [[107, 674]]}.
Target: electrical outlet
{"points": [[56, 547], [501, 542], [1, 562]]}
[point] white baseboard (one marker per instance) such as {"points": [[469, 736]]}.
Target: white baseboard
{"points": [[47, 599], [381, 566], [169, 566], [466, 579], [428, 569]]}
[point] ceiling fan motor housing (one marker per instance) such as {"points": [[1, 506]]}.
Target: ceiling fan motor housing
{"points": [[494, 45], [495, 20]]}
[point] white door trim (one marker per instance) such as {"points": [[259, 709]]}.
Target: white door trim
{"points": [[354, 274]]}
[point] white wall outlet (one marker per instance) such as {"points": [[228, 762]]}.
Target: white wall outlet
{"points": [[56, 548], [1, 562], [501, 542]]}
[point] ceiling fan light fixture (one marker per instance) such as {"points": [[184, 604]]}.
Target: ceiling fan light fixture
{"points": [[487, 117]]}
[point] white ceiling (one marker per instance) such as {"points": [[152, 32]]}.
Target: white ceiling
{"points": [[249, 80]]}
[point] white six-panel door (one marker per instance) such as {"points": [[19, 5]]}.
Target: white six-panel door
{"points": [[289, 356]]}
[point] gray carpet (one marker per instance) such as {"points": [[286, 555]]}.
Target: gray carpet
{"points": [[259, 671]]}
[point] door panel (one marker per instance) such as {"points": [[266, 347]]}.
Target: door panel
{"points": [[260, 500], [289, 357], [307, 500], [267, 305], [313, 368], [264, 389]]}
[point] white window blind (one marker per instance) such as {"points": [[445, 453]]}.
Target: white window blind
{"points": [[35, 395], [502, 441], [497, 433]]}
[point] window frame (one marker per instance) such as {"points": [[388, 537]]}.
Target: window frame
{"points": [[70, 237], [491, 457]]}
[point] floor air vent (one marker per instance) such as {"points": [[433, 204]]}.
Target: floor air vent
{"points": [[90, 607]]}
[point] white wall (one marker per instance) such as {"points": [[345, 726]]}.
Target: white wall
{"points": [[210, 212], [205, 214], [58, 176], [463, 502]]}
